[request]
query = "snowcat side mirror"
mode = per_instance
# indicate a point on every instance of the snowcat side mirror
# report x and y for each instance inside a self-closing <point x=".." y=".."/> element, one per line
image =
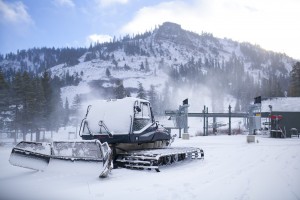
<point x="138" y="109"/>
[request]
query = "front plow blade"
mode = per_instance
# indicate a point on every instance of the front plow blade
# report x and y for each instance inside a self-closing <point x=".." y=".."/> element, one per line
<point x="37" y="156"/>
<point x="31" y="155"/>
<point x="79" y="150"/>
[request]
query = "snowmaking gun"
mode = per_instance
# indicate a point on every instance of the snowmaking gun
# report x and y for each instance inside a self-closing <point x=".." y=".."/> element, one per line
<point x="114" y="133"/>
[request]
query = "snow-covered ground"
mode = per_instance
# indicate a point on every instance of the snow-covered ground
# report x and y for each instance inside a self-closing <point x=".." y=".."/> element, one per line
<point x="232" y="169"/>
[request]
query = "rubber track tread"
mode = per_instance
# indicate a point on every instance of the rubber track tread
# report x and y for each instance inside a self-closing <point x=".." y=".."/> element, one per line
<point x="154" y="158"/>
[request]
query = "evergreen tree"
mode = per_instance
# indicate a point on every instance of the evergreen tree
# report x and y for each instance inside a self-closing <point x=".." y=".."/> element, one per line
<point x="77" y="79"/>
<point x="147" y="68"/>
<point x="48" y="92"/>
<point x="141" y="91"/>
<point x="57" y="111"/>
<point x="53" y="104"/>
<point x="115" y="63"/>
<point x="67" y="112"/>
<point x="119" y="90"/>
<point x="68" y="78"/>
<point x="39" y="102"/>
<point x="127" y="93"/>
<point x="166" y="102"/>
<point x="4" y="99"/>
<point x="16" y="102"/>
<point x="142" y="66"/>
<point x="107" y="72"/>
<point x="295" y="81"/>
<point x="33" y="102"/>
<point x="126" y="67"/>
<point x="4" y="89"/>
<point x="76" y="105"/>
<point x="161" y="63"/>
<point x="153" y="98"/>
<point x="45" y="79"/>
<point x="28" y="103"/>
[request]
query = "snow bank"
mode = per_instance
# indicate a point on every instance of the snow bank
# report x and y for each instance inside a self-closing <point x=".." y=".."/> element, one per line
<point x="232" y="169"/>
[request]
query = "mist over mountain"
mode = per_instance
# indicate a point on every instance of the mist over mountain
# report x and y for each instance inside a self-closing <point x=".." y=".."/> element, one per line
<point x="171" y="62"/>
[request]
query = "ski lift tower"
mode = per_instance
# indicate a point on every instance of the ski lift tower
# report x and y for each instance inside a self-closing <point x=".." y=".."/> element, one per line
<point x="184" y="110"/>
<point x="180" y="118"/>
<point x="255" y="116"/>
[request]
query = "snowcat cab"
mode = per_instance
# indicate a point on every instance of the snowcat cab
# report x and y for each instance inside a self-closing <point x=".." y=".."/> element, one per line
<point x="123" y="121"/>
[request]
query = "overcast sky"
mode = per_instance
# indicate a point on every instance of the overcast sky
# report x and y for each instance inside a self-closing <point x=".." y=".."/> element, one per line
<point x="272" y="24"/>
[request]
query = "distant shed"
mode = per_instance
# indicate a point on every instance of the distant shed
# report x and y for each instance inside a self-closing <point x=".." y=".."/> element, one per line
<point x="287" y="107"/>
<point x="289" y="120"/>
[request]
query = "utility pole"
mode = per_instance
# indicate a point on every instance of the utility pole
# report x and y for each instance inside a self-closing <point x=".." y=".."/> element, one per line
<point x="229" y="107"/>
<point x="270" y="120"/>
<point x="207" y="122"/>
<point x="214" y="125"/>
<point x="186" y="126"/>
<point x="180" y="132"/>
<point x="204" y="120"/>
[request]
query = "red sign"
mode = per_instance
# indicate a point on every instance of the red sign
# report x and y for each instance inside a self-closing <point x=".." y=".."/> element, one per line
<point x="276" y="117"/>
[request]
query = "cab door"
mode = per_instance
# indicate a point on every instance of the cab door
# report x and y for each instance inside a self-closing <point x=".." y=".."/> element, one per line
<point x="142" y="120"/>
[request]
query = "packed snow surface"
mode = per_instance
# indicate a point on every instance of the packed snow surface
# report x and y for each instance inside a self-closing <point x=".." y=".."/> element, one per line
<point x="232" y="169"/>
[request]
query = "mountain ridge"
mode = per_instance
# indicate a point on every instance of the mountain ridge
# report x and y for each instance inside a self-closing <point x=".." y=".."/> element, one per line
<point x="166" y="55"/>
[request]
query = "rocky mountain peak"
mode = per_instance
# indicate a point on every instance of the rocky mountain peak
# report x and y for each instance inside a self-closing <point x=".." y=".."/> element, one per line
<point x="173" y="32"/>
<point x="170" y="27"/>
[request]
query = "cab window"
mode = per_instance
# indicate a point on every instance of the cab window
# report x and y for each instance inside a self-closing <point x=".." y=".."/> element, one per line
<point x="142" y="116"/>
<point x="144" y="111"/>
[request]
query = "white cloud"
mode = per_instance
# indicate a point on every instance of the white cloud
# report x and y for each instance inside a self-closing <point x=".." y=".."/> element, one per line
<point x="14" y="13"/>
<point x="148" y="17"/>
<point x="106" y="3"/>
<point x="66" y="3"/>
<point x="95" y="38"/>
<point x="272" y="24"/>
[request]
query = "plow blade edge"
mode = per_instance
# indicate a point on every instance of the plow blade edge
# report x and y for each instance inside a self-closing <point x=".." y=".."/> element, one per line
<point x="31" y="155"/>
<point x="38" y="155"/>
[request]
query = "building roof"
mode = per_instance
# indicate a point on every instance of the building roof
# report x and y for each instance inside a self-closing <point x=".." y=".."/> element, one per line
<point x="288" y="104"/>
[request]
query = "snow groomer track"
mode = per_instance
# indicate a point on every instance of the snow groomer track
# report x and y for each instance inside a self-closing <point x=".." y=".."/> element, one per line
<point x="154" y="158"/>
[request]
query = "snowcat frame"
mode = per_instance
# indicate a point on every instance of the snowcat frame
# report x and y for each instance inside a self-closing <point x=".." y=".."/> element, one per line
<point x="146" y="145"/>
